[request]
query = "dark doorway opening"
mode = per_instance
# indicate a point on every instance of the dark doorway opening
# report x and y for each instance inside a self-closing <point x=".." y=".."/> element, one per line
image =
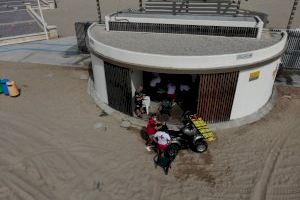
<point x="186" y="86"/>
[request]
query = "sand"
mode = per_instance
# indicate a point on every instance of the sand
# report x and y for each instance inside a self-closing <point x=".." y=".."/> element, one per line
<point x="71" y="11"/>
<point x="54" y="145"/>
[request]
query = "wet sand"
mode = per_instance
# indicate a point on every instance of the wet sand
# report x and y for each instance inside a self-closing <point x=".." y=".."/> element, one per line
<point x="54" y="145"/>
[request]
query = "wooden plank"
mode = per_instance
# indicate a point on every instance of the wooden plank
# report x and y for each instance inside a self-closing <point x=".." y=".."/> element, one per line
<point x="216" y="95"/>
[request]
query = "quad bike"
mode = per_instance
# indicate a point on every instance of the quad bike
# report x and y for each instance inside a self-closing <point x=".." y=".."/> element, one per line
<point x="193" y="135"/>
<point x="188" y="137"/>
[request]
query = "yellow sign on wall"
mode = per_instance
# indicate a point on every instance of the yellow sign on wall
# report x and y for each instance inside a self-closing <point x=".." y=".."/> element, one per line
<point x="254" y="75"/>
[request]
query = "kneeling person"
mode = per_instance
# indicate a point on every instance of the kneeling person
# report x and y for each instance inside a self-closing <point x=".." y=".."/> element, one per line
<point x="153" y="126"/>
<point x="163" y="140"/>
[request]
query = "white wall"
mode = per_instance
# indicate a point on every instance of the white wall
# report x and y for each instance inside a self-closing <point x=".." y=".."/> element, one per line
<point x="99" y="78"/>
<point x="252" y="95"/>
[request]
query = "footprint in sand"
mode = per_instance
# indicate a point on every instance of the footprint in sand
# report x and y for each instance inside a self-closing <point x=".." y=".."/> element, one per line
<point x="4" y="192"/>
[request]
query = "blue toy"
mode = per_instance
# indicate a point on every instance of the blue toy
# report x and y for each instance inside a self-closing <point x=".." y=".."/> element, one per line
<point x="4" y="86"/>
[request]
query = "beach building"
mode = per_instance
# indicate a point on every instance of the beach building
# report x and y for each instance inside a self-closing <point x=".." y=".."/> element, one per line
<point x="228" y="63"/>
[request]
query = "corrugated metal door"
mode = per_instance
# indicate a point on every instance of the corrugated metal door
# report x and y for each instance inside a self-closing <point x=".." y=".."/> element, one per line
<point x="118" y="84"/>
<point x="216" y="95"/>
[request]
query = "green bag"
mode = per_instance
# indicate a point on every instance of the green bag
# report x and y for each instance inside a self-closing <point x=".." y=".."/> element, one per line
<point x="1" y="89"/>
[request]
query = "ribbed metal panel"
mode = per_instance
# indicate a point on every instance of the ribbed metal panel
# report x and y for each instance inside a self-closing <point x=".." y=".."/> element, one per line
<point x="118" y="83"/>
<point x="216" y="95"/>
<point x="184" y="29"/>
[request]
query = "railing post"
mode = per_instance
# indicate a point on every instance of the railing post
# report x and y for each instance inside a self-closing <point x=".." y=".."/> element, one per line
<point x="140" y="5"/>
<point x="187" y="6"/>
<point x="99" y="11"/>
<point x="174" y="8"/>
<point x="238" y="7"/>
<point x="292" y="14"/>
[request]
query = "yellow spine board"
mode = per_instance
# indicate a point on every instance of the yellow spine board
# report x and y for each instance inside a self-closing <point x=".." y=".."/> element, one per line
<point x="203" y="128"/>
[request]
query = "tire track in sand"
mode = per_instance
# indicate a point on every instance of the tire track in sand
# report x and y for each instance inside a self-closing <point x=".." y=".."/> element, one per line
<point x="261" y="187"/>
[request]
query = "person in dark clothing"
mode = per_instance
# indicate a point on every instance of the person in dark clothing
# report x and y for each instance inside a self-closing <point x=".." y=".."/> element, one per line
<point x="138" y="99"/>
<point x="166" y="106"/>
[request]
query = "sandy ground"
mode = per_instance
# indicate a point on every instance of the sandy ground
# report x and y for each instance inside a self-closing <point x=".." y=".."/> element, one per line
<point x="71" y="11"/>
<point x="52" y="146"/>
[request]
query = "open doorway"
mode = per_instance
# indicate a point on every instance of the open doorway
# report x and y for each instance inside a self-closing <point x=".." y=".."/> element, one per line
<point x="179" y="89"/>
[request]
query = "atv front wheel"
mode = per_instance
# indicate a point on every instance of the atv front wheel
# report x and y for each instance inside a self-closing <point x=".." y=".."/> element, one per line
<point x="200" y="146"/>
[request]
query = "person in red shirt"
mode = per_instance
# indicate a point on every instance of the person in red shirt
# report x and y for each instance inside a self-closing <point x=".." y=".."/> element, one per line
<point x="152" y="127"/>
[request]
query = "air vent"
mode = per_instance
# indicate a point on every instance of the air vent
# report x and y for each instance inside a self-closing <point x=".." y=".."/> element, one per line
<point x="229" y="26"/>
<point x="185" y="29"/>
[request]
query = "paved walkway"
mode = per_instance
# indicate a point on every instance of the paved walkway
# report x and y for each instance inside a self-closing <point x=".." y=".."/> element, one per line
<point x="53" y="52"/>
<point x="288" y="78"/>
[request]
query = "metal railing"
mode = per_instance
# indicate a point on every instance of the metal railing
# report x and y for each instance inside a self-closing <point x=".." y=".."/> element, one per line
<point x="291" y="57"/>
<point x="224" y="7"/>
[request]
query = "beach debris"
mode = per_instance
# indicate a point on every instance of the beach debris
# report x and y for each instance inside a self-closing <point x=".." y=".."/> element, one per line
<point x="103" y="114"/>
<point x="289" y="97"/>
<point x="100" y="126"/>
<point x="98" y="184"/>
<point x="50" y="75"/>
<point x="125" y="124"/>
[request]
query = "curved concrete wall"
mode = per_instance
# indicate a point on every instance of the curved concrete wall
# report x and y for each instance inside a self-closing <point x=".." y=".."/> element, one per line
<point x="251" y="95"/>
<point x="186" y="63"/>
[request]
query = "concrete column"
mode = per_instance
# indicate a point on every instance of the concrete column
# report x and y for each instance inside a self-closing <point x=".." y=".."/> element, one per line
<point x="99" y="78"/>
<point x="51" y="4"/>
<point x="28" y="6"/>
<point x="136" y="80"/>
<point x="52" y="31"/>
